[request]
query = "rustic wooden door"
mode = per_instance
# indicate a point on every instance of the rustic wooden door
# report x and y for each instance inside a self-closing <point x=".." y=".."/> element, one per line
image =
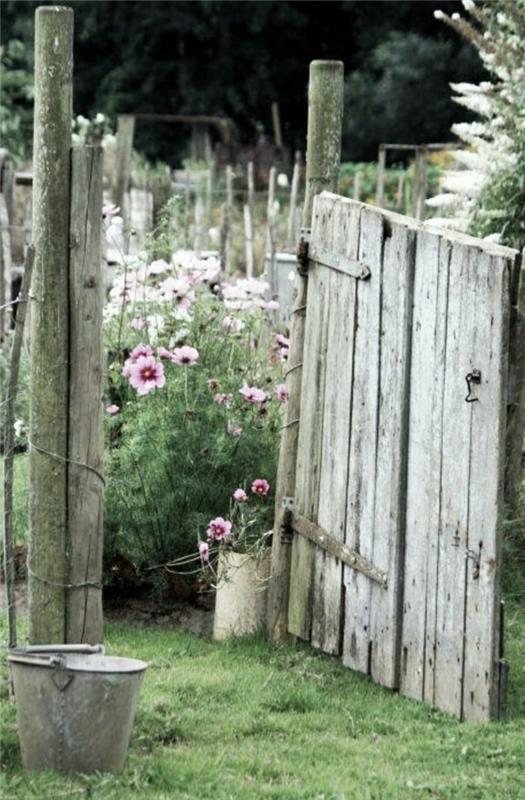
<point x="396" y="517"/>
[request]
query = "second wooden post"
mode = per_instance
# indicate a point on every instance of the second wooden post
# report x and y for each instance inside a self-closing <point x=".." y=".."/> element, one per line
<point x="325" y="117"/>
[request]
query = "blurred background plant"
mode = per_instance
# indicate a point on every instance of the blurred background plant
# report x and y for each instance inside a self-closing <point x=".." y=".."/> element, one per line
<point x="486" y="195"/>
<point x="16" y="98"/>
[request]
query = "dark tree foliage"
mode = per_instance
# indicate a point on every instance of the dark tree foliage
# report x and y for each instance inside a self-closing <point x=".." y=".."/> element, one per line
<point x="235" y="58"/>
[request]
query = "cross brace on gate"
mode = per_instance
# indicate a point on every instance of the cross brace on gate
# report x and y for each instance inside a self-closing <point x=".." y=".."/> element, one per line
<point x="296" y="523"/>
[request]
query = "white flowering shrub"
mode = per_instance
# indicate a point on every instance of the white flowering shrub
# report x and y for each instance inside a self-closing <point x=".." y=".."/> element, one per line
<point x="486" y="196"/>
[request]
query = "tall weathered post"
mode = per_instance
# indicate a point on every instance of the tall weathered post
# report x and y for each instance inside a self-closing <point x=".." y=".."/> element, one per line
<point x="122" y="177"/>
<point x="50" y="327"/>
<point x="325" y="116"/>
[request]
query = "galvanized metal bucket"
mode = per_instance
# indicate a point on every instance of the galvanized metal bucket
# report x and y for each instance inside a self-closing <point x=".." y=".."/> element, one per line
<point x="75" y="706"/>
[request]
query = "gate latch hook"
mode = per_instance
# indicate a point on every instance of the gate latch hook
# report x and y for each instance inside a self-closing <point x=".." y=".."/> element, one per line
<point x="472" y="377"/>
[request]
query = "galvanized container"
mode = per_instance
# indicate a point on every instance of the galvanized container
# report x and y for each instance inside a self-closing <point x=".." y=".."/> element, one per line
<point x="75" y="706"/>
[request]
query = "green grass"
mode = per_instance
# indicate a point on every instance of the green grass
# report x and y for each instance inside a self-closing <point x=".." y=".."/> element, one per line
<point x="248" y="720"/>
<point x="20" y="495"/>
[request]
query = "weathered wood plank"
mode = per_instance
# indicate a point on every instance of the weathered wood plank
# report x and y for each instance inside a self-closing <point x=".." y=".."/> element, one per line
<point x="453" y="529"/>
<point x="390" y="470"/>
<point x="363" y="442"/>
<point x="343" y="238"/>
<point x="85" y="436"/>
<point x="424" y="464"/>
<point x="309" y="454"/>
<point x="489" y="353"/>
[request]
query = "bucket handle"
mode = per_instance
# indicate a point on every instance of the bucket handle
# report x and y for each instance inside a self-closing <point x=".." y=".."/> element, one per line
<point x="35" y="654"/>
<point x="63" y="648"/>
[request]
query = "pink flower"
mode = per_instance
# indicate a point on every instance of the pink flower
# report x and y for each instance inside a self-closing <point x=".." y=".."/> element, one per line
<point x="223" y="399"/>
<point x="240" y="496"/>
<point x="162" y="352"/>
<point x="233" y="429"/>
<point x="110" y="210"/>
<point x="147" y="374"/>
<point x="185" y="356"/>
<point x="112" y="409"/>
<point x="252" y="394"/>
<point x="282" y="392"/>
<point x="260" y="486"/>
<point x="141" y="350"/>
<point x="204" y="551"/>
<point x="213" y="383"/>
<point x="126" y="369"/>
<point x="219" y="529"/>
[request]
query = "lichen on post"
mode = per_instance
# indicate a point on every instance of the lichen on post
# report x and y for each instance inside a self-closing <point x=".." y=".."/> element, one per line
<point x="49" y="328"/>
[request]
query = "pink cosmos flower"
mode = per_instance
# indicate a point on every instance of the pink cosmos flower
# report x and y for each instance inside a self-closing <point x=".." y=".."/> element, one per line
<point x="233" y="429"/>
<point x="204" y="551"/>
<point x="141" y="350"/>
<point x="147" y="374"/>
<point x="282" y="392"/>
<point x="112" y="409"/>
<point x="281" y="340"/>
<point x="110" y="210"/>
<point x="162" y="352"/>
<point x="219" y="529"/>
<point x="223" y="399"/>
<point x="231" y="324"/>
<point x="240" y="496"/>
<point x="185" y="356"/>
<point x="252" y="394"/>
<point x="126" y="369"/>
<point x="260" y="486"/>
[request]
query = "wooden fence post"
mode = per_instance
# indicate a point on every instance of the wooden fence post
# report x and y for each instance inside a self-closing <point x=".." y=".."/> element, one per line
<point x="50" y="324"/>
<point x="357" y="185"/>
<point x="85" y="436"/>
<point x="125" y="132"/>
<point x="5" y="269"/>
<point x="291" y="233"/>
<point x="325" y="117"/>
<point x="277" y="131"/>
<point x="420" y="183"/>
<point x="381" y="164"/>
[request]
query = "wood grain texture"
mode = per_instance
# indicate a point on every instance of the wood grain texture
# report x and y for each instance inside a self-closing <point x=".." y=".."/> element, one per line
<point x="50" y="324"/>
<point x="424" y="464"/>
<point x="85" y="434"/>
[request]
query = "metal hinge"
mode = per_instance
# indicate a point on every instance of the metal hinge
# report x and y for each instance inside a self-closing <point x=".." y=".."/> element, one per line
<point x="286" y="531"/>
<point x="303" y="247"/>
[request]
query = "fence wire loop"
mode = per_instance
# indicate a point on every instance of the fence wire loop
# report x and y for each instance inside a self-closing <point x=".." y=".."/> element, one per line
<point x="65" y="460"/>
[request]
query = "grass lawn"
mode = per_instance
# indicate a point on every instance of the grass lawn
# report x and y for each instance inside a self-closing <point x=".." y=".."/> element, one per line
<point x="248" y="720"/>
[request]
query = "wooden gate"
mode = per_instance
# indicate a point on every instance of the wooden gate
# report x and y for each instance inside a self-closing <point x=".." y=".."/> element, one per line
<point x="397" y="511"/>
